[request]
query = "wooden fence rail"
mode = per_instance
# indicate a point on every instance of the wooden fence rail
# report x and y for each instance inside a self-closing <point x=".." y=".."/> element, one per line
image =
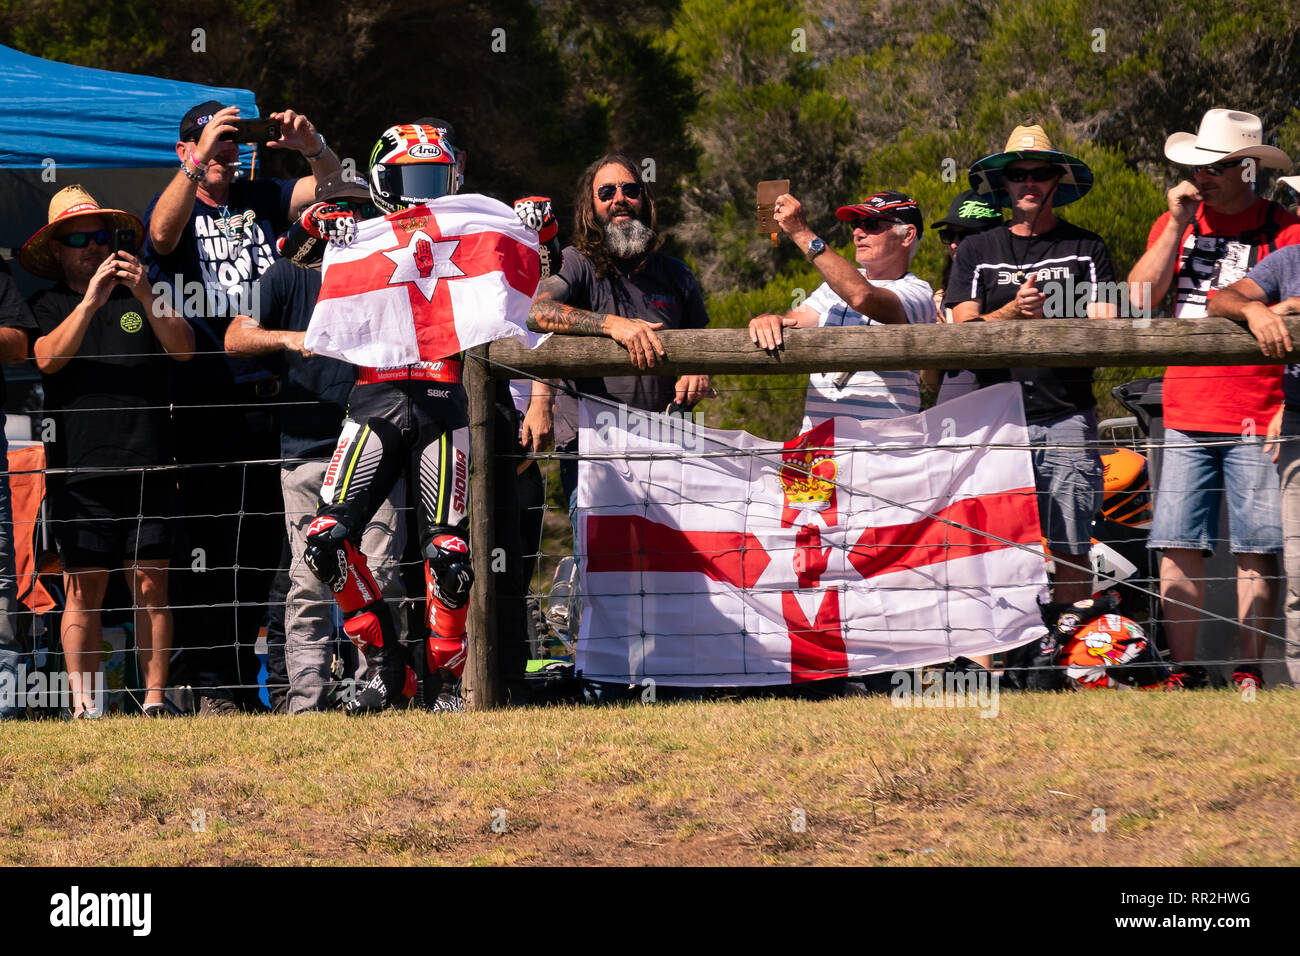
<point x="1156" y="341"/>
<point x="1046" y="342"/>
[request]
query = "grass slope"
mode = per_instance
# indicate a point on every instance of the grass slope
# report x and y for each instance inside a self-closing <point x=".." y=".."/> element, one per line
<point x="1195" y="778"/>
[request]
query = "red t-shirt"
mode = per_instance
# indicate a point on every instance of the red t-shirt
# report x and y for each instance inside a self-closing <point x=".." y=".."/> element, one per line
<point x="1217" y="250"/>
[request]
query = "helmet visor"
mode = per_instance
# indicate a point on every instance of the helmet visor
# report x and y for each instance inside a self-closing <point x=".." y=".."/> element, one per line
<point x="411" y="184"/>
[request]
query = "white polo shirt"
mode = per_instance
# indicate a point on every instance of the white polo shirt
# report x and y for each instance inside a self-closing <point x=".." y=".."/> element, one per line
<point x="867" y="395"/>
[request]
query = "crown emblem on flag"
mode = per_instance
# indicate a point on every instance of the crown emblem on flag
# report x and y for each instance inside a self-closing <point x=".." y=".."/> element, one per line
<point x="808" y="479"/>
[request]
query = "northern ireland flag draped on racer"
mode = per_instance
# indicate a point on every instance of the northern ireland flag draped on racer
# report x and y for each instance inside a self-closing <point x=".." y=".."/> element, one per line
<point x="426" y="283"/>
<point x="853" y="549"/>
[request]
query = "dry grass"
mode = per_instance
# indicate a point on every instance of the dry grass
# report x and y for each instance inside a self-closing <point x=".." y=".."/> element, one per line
<point x="1183" y="779"/>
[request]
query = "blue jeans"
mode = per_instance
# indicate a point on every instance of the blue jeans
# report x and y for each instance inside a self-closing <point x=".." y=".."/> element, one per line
<point x="10" y="650"/>
<point x="1193" y="477"/>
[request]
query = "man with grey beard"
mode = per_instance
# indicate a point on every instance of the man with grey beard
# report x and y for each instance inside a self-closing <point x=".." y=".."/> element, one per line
<point x="615" y="283"/>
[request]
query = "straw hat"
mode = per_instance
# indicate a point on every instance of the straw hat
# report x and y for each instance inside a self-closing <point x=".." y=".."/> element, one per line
<point x="1030" y="142"/>
<point x="73" y="202"/>
<point x="1224" y="135"/>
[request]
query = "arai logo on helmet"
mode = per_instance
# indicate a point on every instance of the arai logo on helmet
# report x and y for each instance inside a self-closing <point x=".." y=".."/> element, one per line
<point x="425" y="151"/>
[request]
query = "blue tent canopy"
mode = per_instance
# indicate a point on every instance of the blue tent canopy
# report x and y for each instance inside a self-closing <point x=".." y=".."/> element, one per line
<point x="113" y="133"/>
<point x="84" y="118"/>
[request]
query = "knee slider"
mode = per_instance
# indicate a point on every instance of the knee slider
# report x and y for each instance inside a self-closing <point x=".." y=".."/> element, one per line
<point x="371" y="628"/>
<point x="340" y="565"/>
<point x="446" y="654"/>
<point x="447" y="571"/>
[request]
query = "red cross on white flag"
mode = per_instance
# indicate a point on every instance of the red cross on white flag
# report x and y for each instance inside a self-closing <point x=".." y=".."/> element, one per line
<point x="427" y="283"/>
<point x="856" y="548"/>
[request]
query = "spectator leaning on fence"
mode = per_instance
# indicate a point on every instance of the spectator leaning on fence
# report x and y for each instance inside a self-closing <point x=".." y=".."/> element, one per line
<point x="211" y="235"/>
<point x="15" y="322"/>
<point x="1215" y="230"/>
<point x="1270" y="291"/>
<point x="886" y="229"/>
<point x="100" y="345"/>
<point x="615" y="282"/>
<point x="1039" y="266"/>
<point x="313" y="405"/>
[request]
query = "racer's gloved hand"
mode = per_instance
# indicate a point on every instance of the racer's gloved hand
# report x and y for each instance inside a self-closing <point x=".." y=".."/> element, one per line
<point x="329" y="222"/>
<point x="301" y="247"/>
<point x="536" y="213"/>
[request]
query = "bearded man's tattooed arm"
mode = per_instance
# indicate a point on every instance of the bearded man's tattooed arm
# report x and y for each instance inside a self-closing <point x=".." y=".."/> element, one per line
<point x="550" y="314"/>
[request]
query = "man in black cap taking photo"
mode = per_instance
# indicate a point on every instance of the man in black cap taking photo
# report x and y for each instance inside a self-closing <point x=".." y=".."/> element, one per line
<point x="211" y="227"/>
<point x="210" y="235"/>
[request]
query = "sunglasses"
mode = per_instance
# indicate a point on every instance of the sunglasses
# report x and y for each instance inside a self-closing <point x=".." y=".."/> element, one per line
<point x="1039" y="174"/>
<point x="874" y="225"/>
<point x="948" y="236"/>
<point x="363" y="208"/>
<point x="1217" y="169"/>
<point x="630" y="191"/>
<point x="79" y="240"/>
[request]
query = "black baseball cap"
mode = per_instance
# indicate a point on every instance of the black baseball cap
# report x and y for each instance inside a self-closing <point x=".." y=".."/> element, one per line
<point x="970" y="212"/>
<point x="193" y="122"/>
<point x="885" y="205"/>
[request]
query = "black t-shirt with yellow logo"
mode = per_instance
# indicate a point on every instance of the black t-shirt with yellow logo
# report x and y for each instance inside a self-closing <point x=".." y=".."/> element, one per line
<point x="108" y="405"/>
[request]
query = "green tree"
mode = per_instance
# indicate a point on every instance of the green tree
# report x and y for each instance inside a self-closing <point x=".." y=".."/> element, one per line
<point x="536" y="90"/>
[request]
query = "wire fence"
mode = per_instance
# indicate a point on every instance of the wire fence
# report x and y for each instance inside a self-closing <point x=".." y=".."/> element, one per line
<point x="223" y="538"/>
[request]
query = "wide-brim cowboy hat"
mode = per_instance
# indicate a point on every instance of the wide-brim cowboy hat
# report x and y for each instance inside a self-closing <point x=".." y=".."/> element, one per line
<point x="1030" y="142"/>
<point x="72" y="202"/>
<point x="1292" y="181"/>
<point x="1224" y="135"/>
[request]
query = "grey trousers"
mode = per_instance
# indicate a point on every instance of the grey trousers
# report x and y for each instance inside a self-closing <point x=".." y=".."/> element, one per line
<point x="309" y="611"/>
<point x="1288" y="469"/>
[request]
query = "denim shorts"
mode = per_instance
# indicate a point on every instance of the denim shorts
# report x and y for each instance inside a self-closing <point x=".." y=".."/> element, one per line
<point x="1069" y="480"/>
<point x="1193" y="477"/>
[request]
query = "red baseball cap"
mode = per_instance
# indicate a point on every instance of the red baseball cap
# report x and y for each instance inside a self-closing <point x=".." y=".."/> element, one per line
<point x="885" y="205"/>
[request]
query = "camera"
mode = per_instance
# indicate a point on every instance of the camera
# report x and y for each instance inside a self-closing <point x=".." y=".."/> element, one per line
<point x="260" y="131"/>
<point x="124" y="240"/>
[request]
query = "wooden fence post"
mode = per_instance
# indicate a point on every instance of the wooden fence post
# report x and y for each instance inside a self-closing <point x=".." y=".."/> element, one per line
<point x="482" y="680"/>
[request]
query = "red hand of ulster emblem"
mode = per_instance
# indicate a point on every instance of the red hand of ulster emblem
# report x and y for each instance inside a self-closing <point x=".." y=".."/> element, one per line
<point x="424" y="257"/>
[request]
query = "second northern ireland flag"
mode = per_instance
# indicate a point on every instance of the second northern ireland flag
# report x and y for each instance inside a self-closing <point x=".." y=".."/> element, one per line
<point x="713" y="558"/>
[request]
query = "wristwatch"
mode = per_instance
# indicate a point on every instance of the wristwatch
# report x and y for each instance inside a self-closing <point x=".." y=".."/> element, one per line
<point x="815" y="248"/>
<point x="319" y="153"/>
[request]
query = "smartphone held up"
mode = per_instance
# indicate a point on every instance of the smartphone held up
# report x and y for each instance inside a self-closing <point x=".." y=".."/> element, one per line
<point x="124" y="241"/>
<point x="259" y="131"/>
